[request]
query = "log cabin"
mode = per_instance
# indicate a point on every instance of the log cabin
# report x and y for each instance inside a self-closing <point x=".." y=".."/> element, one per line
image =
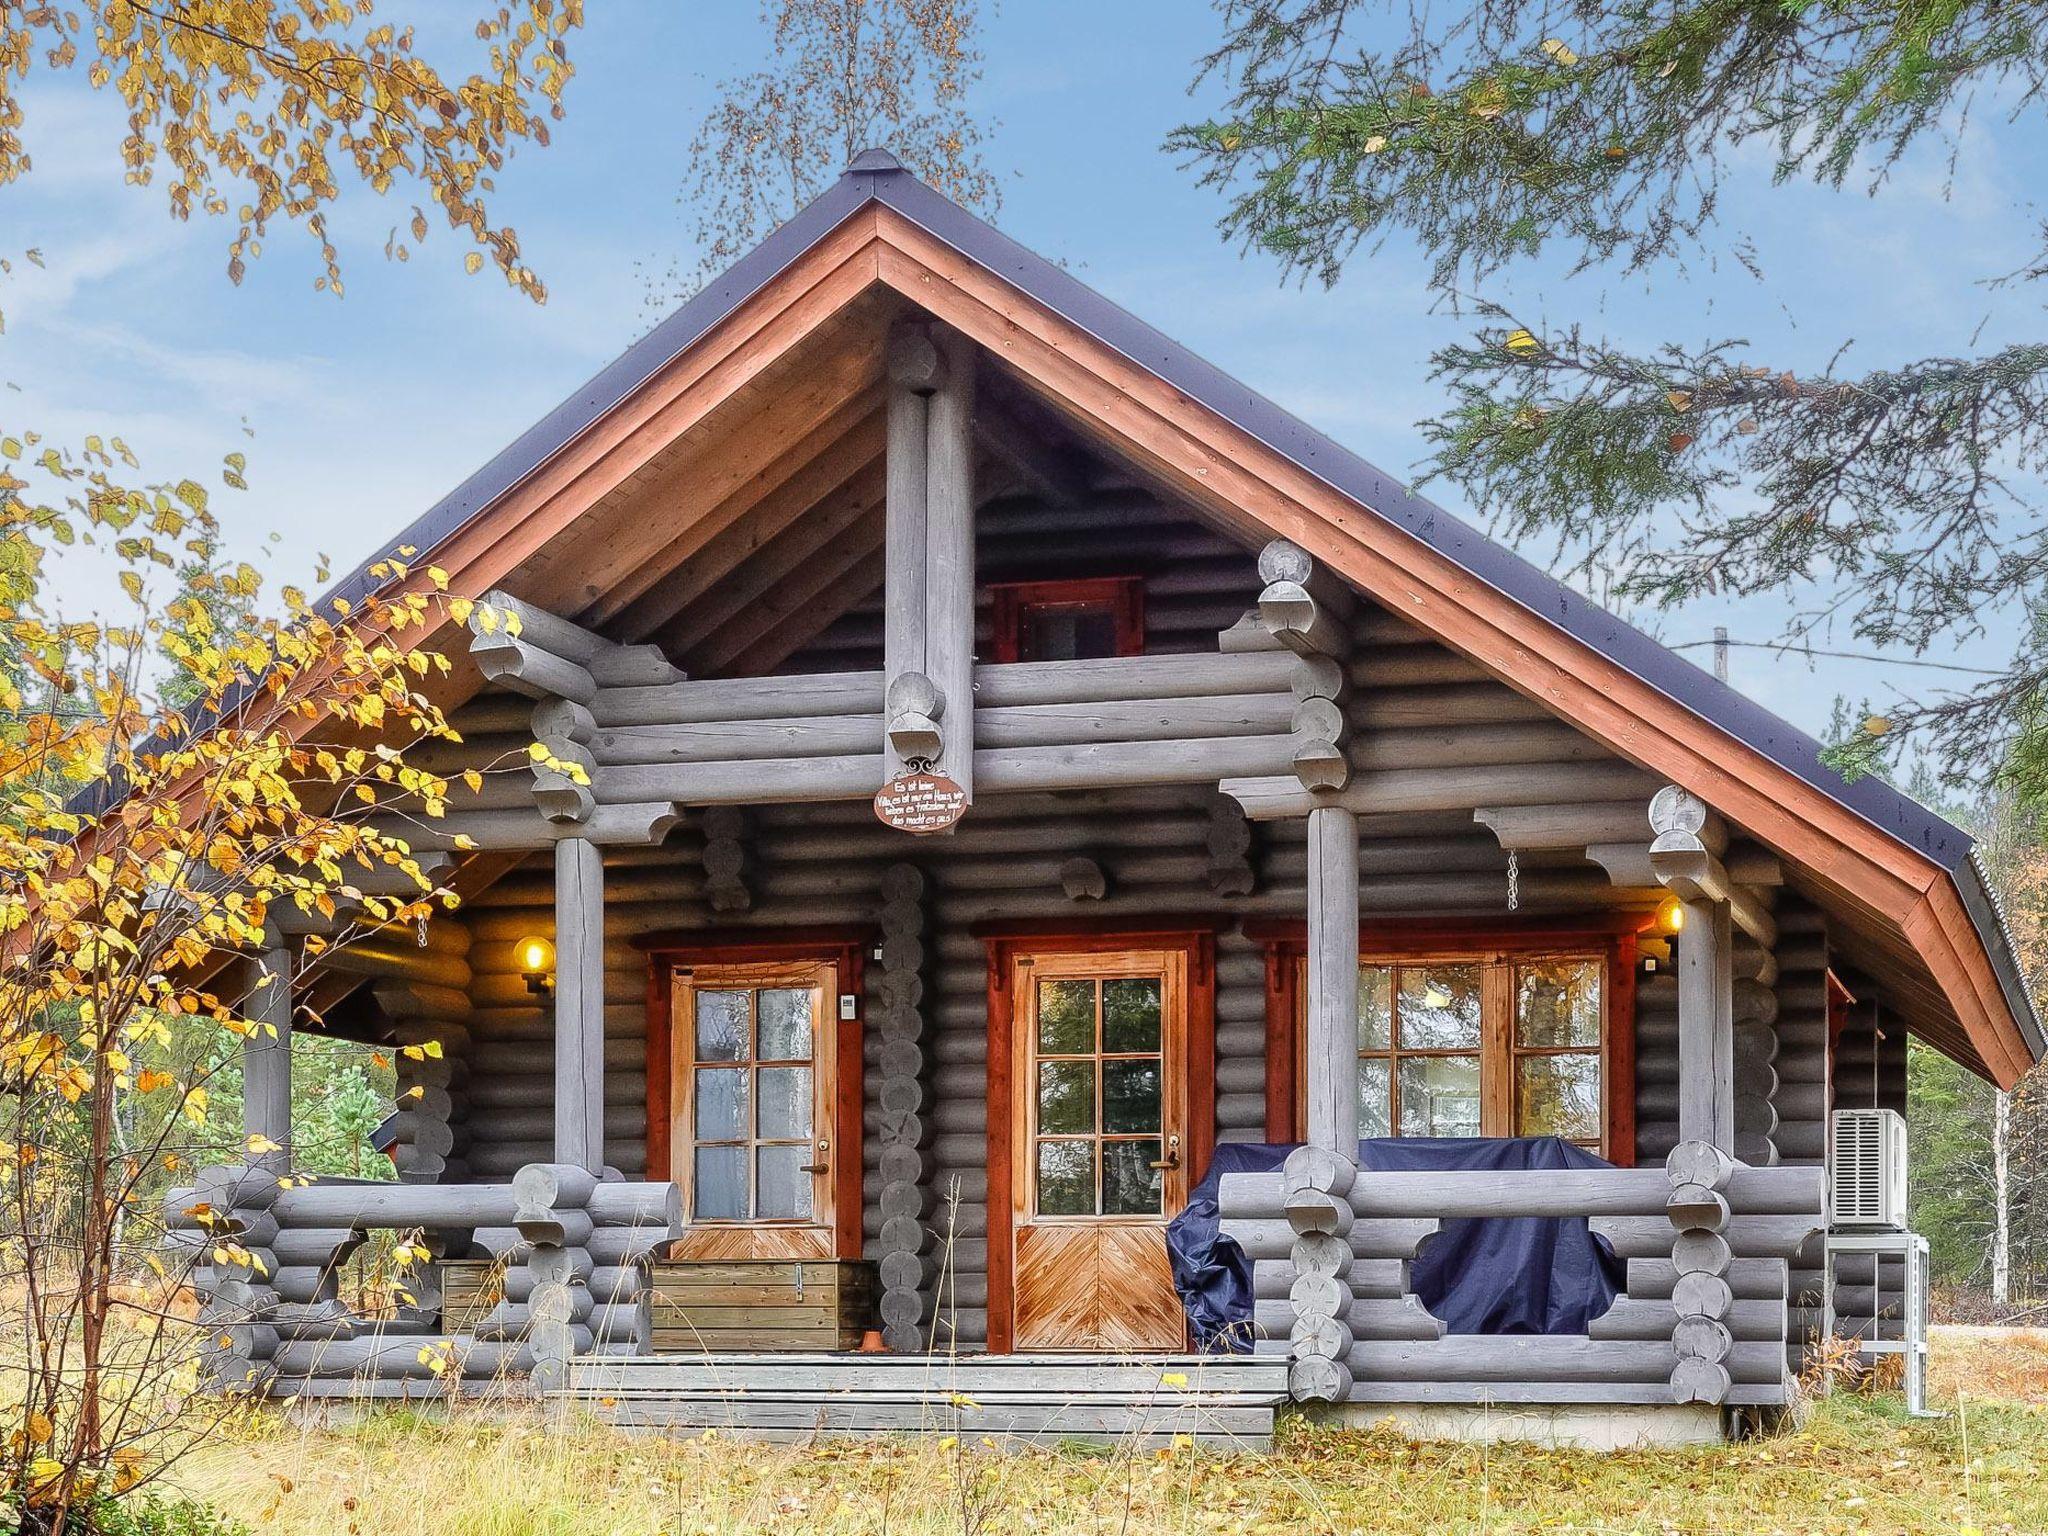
<point x="1027" y="770"/>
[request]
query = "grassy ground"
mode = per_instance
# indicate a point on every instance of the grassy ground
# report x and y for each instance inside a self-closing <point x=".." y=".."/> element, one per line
<point x="1857" y="1465"/>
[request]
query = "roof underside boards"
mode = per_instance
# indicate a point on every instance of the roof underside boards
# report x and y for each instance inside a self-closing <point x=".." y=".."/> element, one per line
<point x="690" y="492"/>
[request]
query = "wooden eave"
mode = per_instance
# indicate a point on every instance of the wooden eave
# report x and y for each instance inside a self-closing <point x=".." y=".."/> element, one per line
<point x="534" y="522"/>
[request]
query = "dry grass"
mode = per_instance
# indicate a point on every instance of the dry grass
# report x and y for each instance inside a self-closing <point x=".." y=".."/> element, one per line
<point x="1858" y="1465"/>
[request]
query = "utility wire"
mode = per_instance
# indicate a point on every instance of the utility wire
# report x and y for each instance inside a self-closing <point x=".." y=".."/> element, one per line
<point x="1807" y="650"/>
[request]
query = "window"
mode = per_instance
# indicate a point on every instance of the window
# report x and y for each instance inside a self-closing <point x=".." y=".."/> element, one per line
<point x="752" y="1091"/>
<point x="1497" y="1036"/>
<point x="1099" y="1059"/>
<point x="1068" y="620"/>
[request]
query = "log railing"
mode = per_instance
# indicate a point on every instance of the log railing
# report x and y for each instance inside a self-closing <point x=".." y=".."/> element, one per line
<point x="269" y="1252"/>
<point x="1704" y="1317"/>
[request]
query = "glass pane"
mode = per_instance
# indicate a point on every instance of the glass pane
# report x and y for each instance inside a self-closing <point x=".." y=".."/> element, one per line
<point x="1066" y="1178"/>
<point x="1066" y="1097"/>
<point x="1066" y="1017"/>
<point x="1067" y="634"/>
<point x="1439" y="1008"/>
<point x="784" y="1189"/>
<point x="786" y="1024"/>
<point x="1440" y="1096"/>
<point x="721" y="1183"/>
<point x="1557" y="1003"/>
<point x="1130" y="1185"/>
<point x="1558" y="1096"/>
<point x="721" y="1110"/>
<point x="783" y="1103"/>
<point x="1130" y="1014"/>
<point x="1375" y="1099"/>
<point x="721" y="1026"/>
<point x="1375" y="1007"/>
<point x="1130" y="1095"/>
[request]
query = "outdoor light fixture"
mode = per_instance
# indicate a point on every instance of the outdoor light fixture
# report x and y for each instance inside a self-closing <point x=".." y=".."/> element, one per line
<point x="537" y="965"/>
<point x="1670" y="915"/>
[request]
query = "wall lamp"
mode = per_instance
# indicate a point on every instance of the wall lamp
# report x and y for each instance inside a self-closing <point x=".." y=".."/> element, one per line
<point x="537" y="965"/>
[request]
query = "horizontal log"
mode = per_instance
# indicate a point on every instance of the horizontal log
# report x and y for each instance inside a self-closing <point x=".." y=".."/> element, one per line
<point x="1652" y="1320"/>
<point x="331" y="1203"/>
<point x="1779" y="1236"/>
<point x="1088" y="766"/>
<point x="1533" y="1359"/>
<point x="1266" y="798"/>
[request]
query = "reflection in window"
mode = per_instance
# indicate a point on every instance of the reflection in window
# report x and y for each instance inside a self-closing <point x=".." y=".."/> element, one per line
<point x="752" y="1092"/>
<point x="1557" y="1050"/>
<point x="1100" y="1096"/>
<point x="1420" y="1029"/>
<point x="1457" y="1047"/>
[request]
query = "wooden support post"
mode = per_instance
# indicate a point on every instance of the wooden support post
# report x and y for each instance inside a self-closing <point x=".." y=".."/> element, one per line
<point x="1705" y="962"/>
<point x="1706" y="1026"/>
<point x="914" y="370"/>
<point x="949" y="558"/>
<point x="579" y="1004"/>
<point x="267" y="1052"/>
<point x="1332" y="1036"/>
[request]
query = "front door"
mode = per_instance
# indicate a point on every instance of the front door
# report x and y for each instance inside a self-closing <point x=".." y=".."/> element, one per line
<point x="753" y="1066"/>
<point x="1099" y="1153"/>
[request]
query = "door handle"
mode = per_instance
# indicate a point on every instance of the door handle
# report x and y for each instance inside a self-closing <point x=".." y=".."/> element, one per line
<point x="824" y="1162"/>
<point x="1172" y="1158"/>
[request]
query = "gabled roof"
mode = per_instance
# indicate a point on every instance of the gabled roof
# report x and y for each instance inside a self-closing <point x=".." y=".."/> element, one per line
<point x="1883" y="853"/>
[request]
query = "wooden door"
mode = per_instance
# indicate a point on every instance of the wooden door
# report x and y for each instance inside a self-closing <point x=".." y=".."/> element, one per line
<point x="1099" y="1111"/>
<point x="753" y="1060"/>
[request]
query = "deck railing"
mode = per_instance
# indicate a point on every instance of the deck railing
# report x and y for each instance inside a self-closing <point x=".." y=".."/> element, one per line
<point x="1704" y="1317"/>
<point x="573" y="1247"/>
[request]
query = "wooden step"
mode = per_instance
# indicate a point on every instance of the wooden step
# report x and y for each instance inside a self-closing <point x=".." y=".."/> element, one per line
<point x="1226" y="1403"/>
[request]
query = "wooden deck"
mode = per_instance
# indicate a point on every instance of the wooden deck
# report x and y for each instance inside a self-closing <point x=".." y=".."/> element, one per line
<point x="1225" y="1403"/>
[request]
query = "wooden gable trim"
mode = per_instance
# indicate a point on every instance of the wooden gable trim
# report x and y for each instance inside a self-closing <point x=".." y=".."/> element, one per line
<point x="1242" y="480"/>
<point x="1006" y="941"/>
<point x="1248" y="484"/>
<point x="846" y="950"/>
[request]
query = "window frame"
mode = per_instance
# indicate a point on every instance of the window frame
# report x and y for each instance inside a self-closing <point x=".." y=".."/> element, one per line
<point x="1499" y="950"/>
<point x="1122" y="597"/>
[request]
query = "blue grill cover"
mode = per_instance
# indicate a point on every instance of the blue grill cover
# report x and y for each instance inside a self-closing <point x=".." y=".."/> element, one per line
<point x="1519" y="1274"/>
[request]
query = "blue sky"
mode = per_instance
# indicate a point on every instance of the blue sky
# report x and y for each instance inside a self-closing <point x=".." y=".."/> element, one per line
<point x="358" y="414"/>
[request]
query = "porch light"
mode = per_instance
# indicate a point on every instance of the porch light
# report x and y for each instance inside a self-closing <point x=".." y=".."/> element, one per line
<point x="1670" y="915"/>
<point x="537" y="965"/>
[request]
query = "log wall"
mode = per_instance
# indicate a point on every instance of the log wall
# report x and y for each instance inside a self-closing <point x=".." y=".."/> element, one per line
<point x="1147" y="854"/>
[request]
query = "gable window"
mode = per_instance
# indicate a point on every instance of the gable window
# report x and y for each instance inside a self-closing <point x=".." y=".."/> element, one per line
<point x="1068" y="620"/>
<point x="1520" y="1035"/>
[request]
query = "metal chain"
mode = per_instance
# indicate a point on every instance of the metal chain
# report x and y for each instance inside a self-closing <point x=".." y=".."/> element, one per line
<point x="1514" y="881"/>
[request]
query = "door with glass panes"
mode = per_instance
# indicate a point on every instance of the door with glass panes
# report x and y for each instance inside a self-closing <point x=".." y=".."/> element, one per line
<point x="752" y="1071"/>
<point x="1100" y="1118"/>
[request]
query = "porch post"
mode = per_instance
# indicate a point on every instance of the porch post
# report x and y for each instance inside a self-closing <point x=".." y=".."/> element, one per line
<point x="1706" y="1026"/>
<point x="1332" y="1036"/>
<point x="579" y="1004"/>
<point x="1684" y="856"/>
<point x="267" y="1050"/>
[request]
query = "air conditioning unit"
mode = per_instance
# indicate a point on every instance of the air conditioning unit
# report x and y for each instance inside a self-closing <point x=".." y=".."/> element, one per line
<point x="1867" y="1168"/>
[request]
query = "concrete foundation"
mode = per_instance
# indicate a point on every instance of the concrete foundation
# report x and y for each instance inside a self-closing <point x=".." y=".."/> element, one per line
<point x="1572" y="1426"/>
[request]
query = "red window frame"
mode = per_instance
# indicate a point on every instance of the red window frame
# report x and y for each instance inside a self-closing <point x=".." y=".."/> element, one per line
<point x="1286" y="944"/>
<point x="1122" y="597"/>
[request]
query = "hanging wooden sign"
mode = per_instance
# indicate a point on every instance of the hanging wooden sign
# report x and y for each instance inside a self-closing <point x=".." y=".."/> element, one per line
<point x="920" y="803"/>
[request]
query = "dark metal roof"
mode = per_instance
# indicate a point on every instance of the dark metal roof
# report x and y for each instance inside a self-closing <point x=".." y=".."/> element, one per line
<point x="877" y="177"/>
